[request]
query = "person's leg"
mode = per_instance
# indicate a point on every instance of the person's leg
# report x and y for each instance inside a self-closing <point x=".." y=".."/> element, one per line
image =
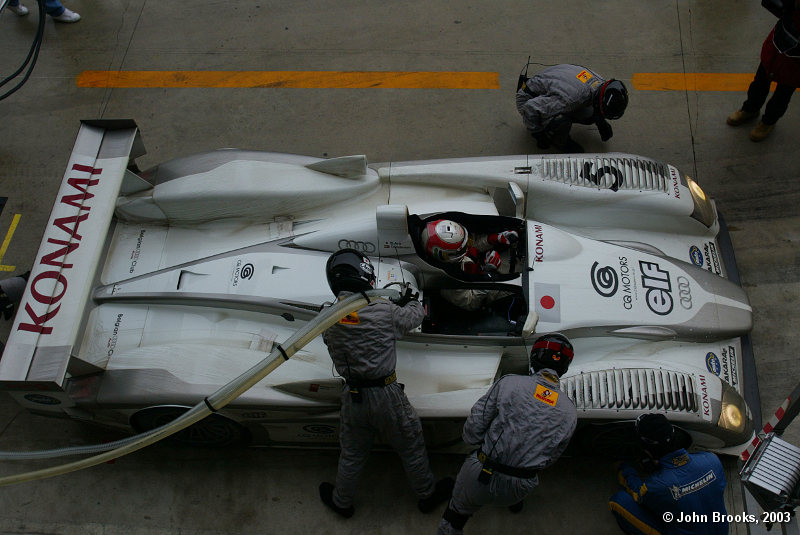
<point x="758" y="91"/>
<point x="632" y="518"/>
<point x="777" y="104"/>
<point x="757" y="94"/>
<point x="54" y="8"/>
<point x="403" y="431"/>
<point x="355" y="439"/>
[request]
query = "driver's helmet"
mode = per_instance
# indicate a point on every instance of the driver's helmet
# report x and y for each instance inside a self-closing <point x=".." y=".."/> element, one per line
<point x="445" y="240"/>
<point x="656" y="434"/>
<point x="349" y="271"/>
<point x="553" y="351"/>
<point x="612" y="99"/>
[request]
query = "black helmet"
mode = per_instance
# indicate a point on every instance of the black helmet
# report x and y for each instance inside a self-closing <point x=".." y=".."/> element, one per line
<point x="612" y="99"/>
<point x="349" y="271"/>
<point x="656" y="434"/>
<point x="552" y="351"/>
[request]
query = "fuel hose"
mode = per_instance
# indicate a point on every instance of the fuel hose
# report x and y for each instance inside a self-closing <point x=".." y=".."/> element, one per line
<point x="224" y="395"/>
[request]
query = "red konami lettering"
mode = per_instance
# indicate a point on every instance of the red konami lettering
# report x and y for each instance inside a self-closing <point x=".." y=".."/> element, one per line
<point x="704" y="399"/>
<point x="57" y="256"/>
<point x="539" y="250"/>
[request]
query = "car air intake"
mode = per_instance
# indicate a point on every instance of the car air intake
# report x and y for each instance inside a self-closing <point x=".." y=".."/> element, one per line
<point x="632" y="388"/>
<point x="610" y="173"/>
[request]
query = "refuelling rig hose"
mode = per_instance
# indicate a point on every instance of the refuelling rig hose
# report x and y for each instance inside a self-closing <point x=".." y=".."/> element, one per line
<point x="227" y="393"/>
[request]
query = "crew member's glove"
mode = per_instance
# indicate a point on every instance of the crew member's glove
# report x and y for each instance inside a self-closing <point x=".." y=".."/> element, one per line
<point x="605" y="129"/>
<point x="407" y="296"/>
<point x="6" y="306"/>
<point x="492" y="261"/>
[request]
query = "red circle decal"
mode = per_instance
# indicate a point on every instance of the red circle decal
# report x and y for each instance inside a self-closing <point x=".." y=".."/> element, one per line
<point x="547" y="302"/>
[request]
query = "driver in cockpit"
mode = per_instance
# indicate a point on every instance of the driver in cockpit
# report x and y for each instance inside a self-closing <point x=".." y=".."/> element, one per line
<point x="477" y="254"/>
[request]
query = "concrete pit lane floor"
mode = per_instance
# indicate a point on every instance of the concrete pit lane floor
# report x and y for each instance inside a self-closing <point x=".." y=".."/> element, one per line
<point x="187" y="106"/>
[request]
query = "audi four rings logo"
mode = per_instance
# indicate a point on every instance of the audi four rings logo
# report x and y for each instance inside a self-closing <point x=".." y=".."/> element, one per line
<point x="604" y="280"/>
<point x="684" y="292"/>
<point x="247" y="271"/>
<point x="362" y="246"/>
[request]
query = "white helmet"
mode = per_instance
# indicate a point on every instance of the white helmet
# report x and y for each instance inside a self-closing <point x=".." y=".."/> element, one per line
<point x="445" y="240"/>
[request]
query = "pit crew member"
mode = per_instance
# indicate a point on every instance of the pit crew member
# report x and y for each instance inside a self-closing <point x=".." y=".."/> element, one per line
<point x="362" y="347"/>
<point x="560" y="95"/>
<point x="682" y="487"/>
<point x="520" y="426"/>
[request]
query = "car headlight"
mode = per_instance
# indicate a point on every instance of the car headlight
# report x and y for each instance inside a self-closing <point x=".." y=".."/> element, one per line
<point x="734" y="413"/>
<point x="703" y="210"/>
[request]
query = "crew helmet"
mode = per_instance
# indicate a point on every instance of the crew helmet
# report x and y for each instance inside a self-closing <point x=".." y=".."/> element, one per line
<point x="612" y="99"/>
<point x="349" y="271"/>
<point x="445" y="240"/>
<point x="656" y="434"/>
<point x="553" y="351"/>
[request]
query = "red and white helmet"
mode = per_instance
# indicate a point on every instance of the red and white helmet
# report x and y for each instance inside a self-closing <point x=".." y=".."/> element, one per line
<point x="445" y="240"/>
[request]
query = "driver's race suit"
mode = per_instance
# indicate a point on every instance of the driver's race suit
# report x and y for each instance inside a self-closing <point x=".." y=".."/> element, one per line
<point x="680" y="497"/>
<point x="362" y="347"/>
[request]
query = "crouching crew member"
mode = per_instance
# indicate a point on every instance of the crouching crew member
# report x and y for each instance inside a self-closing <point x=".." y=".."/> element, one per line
<point x="362" y="347"/>
<point x="558" y="96"/>
<point x="686" y="487"/>
<point x="521" y="425"/>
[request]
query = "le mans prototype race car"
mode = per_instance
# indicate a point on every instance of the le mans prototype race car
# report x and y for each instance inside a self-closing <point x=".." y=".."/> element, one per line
<point x="152" y="289"/>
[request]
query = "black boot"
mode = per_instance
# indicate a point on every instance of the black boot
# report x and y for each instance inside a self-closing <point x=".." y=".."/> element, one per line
<point x="569" y="145"/>
<point x="326" y="495"/>
<point x="441" y="493"/>
<point x="516" y="508"/>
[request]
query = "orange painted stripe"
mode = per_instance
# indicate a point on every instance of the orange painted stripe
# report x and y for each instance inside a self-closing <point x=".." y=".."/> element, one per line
<point x="691" y="81"/>
<point x="290" y="79"/>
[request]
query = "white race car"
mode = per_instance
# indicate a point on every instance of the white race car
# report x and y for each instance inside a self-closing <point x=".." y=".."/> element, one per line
<point x="152" y="289"/>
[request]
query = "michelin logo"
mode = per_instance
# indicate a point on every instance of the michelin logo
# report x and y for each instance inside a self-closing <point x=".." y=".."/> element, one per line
<point x="679" y="492"/>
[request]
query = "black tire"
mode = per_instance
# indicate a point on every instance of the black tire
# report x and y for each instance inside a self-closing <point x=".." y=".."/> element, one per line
<point x="618" y="440"/>
<point x="214" y="430"/>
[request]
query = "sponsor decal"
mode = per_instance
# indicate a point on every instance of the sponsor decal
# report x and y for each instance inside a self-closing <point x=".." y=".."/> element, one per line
<point x="538" y="251"/>
<point x="112" y="341"/>
<point x="732" y="363"/>
<point x="679" y="491"/>
<point x="595" y="177"/>
<point x="659" y="289"/>
<point x="604" y="280"/>
<point x="625" y="280"/>
<point x="548" y="302"/>
<point x="546" y="395"/>
<point x="49" y="293"/>
<point x="584" y="76"/>
<point x="366" y="247"/>
<point x="676" y="189"/>
<point x="242" y="272"/>
<point x="705" y="403"/>
<point x="712" y="259"/>
<point x="350" y="319"/>
<point x="696" y="256"/>
<point x="391" y="244"/>
<point x="136" y="251"/>
<point x="684" y="292"/>
<point x="713" y="364"/>
<point x="319" y="429"/>
<point x="41" y="399"/>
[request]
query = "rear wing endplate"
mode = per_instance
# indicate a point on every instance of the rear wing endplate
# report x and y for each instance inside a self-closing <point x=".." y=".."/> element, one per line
<point x="48" y="320"/>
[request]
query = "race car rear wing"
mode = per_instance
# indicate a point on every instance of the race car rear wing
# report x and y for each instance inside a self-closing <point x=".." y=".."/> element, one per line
<point x="39" y="352"/>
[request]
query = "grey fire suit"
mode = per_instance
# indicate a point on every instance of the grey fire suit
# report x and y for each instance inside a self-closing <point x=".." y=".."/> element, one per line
<point x="524" y="422"/>
<point x="558" y="96"/>
<point x="362" y="347"/>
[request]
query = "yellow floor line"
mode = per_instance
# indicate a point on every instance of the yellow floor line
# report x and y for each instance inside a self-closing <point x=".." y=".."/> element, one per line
<point x="7" y="242"/>
<point x="691" y="81"/>
<point x="290" y="79"/>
